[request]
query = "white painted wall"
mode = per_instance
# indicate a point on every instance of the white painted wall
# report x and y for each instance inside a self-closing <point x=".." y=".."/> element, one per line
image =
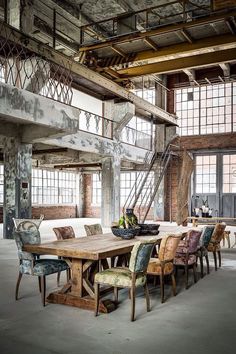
<point x="86" y="102"/>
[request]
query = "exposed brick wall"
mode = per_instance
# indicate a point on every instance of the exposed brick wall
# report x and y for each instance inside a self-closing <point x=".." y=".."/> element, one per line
<point x="52" y="212"/>
<point x="170" y="186"/>
<point x="90" y="211"/>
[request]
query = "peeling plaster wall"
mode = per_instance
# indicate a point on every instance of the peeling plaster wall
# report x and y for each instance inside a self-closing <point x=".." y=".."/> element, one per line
<point x="17" y="183"/>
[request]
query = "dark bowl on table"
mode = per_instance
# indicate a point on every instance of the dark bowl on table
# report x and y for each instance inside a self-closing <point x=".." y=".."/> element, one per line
<point x="149" y="229"/>
<point x="126" y="234"/>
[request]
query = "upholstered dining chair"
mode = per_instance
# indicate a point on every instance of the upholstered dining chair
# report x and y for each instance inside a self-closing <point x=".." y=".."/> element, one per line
<point x="163" y="265"/>
<point x="203" y="244"/>
<point x="214" y="244"/>
<point x="30" y="265"/>
<point x="186" y="254"/>
<point x="93" y="230"/>
<point x="63" y="233"/>
<point x="27" y="224"/>
<point x="128" y="277"/>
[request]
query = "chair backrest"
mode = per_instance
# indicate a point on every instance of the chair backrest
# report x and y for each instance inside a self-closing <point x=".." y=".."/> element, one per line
<point x="192" y="240"/>
<point x="168" y="247"/>
<point x="23" y="237"/>
<point x="27" y="224"/>
<point x="140" y="256"/>
<point x="206" y="235"/>
<point x="94" y="229"/>
<point x="64" y="232"/>
<point x="218" y="232"/>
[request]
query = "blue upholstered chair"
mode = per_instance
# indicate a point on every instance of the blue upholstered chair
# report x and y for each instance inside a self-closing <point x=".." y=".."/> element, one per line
<point x="203" y="244"/>
<point x="30" y="265"/>
<point x="131" y="277"/>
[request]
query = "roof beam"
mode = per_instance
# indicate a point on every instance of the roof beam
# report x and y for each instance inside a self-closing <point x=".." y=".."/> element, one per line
<point x="186" y="35"/>
<point x="226" y="70"/>
<point x="151" y="43"/>
<point x="181" y="50"/>
<point x="161" y="30"/>
<point x="189" y="62"/>
<point x="118" y="51"/>
<point x="49" y="53"/>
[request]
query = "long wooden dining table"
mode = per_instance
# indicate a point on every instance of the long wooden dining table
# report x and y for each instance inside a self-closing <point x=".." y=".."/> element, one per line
<point x="81" y="254"/>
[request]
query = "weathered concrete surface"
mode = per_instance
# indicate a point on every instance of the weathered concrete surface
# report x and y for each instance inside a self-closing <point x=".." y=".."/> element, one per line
<point x="110" y="209"/>
<point x="91" y="143"/>
<point x="17" y="183"/>
<point x="26" y="107"/>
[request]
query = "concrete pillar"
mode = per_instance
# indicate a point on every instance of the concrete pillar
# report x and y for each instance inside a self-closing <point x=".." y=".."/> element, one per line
<point x="160" y="143"/>
<point x="110" y="190"/>
<point x="81" y="194"/>
<point x="27" y="16"/>
<point x="17" y="183"/>
<point x="13" y="13"/>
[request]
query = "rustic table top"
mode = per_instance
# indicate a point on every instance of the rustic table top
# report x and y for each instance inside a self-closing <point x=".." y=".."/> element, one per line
<point x="89" y="247"/>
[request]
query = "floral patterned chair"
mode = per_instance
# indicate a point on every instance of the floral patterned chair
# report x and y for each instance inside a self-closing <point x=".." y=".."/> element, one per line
<point x="30" y="265"/>
<point x="214" y="244"/>
<point x="128" y="277"/>
<point x="186" y="254"/>
<point x="163" y="265"/>
<point x="63" y="233"/>
<point x="203" y="244"/>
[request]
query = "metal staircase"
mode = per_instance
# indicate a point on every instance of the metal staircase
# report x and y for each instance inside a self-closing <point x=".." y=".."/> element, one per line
<point x="147" y="183"/>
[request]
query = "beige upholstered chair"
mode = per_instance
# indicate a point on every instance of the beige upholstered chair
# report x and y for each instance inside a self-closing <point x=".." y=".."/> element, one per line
<point x="132" y="277"/>
<point x="214" y="245"/>
<point x="94" y="229"/>
<point x="163" y="265"/>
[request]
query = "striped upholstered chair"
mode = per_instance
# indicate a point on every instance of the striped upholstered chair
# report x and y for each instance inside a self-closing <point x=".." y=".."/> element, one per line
<point x="214" y="244"/>
<point x="128" y="277"/>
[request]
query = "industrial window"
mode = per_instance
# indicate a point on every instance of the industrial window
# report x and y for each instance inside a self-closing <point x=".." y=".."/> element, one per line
<point x="229" y="173"/>
<point x="96" y="189"/>
<point x="206" y="174"/>
<point x="53" y="187"/>
<point x="207" y="109"/>
<point x="147" y="94"/>
<point x="1" y="183"/>
<point x="127" y="181"/>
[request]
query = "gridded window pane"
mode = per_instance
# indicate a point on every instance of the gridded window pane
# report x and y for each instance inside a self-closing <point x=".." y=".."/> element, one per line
<point x="96" y="189"/>
<point x="210" y="105"/>
<point x="53" y="187"/>
<point x="205" y="174"/>
<point x="229" y="173"/>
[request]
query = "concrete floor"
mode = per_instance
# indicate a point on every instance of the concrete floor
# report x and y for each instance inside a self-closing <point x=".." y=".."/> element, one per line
<point x="201" y="319"/>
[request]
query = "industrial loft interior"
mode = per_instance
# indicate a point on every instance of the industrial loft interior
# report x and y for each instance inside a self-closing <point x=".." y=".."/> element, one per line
<point x="117" y="176"/>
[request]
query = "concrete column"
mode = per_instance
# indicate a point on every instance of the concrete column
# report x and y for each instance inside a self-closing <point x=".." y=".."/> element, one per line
<point x="81" y="194"/>
<point x="110" y="190"/>
<point x="17" y="183"/>
<point x="13" y="13"/>
<point x="27" y="16"/>
<point x="160" y="143"/>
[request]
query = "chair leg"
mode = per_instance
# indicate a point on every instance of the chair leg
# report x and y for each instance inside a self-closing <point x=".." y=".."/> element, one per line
<point x="215" y="260"/>
<point x="147" y="297"/>
<point x="68" y="275"/>
<point x="39" y="284"/>
<point x="58" y="279"/>
<point x="194" y="273"/>
<point x="228" y="239"/>
<point x="201" y="264"/>
<point x="115" y="294"/>
<point x="207" y="262"/>
<point x="219" y="256"/>
<point x="186" y="277"/>
<point x="96" y="288"/>
<point x="132" y="303"/>
<point x="18" y="284"/>
<point x="173" y="284"/>
<point x="162" y="287"/>
<point x="43" y="289"/>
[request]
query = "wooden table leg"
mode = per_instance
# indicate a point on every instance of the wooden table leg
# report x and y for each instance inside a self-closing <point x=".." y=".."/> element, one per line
<point x="80" y="291"/>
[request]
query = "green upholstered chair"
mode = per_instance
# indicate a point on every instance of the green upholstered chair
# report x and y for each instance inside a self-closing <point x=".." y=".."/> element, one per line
<point x="128" y="277"/>
<point x="163" y="265"/>
<point x="203" y="244"/>
<point x="30" y="265"/>
<point x="214" y="244"/>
